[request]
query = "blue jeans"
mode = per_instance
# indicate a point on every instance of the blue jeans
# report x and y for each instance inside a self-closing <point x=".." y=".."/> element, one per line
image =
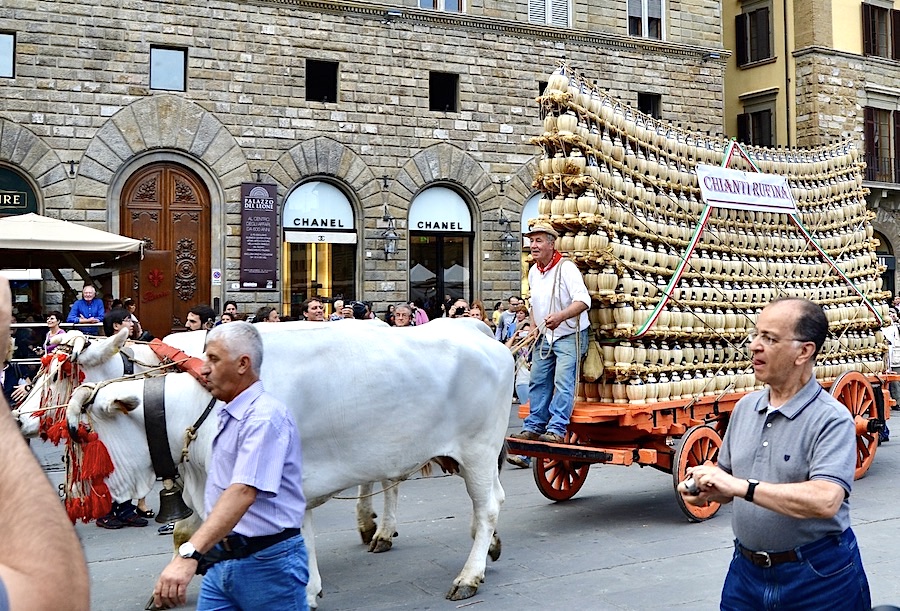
<point x="522" y="393"/>
<point x="274" y="578"/>
<point x="829" y="575"/>
<point x="552" y="387"/>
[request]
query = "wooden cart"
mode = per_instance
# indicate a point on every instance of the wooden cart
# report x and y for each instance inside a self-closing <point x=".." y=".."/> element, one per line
<point x="674" y="435"/>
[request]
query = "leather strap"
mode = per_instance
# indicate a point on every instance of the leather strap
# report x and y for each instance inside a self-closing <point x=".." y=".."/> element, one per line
<point x="155" y="426"/>
<point x="768" y="559"/>
<point x="127" y="361"/>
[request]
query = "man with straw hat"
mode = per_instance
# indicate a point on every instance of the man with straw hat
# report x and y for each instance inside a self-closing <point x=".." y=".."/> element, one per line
<point x="559" y="305"/>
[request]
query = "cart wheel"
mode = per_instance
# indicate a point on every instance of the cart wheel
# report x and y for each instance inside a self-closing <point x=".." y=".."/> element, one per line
<point x="700" y="444"/>
<point x="854" y="391"/>
<point x="559" y="480"/>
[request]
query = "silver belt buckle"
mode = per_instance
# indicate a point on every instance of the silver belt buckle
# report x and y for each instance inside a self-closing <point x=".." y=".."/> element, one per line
<point x="763" y="559"/>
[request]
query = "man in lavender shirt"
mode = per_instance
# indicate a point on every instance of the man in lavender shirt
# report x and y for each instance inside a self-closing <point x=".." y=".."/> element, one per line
<point x="252" y="534"/>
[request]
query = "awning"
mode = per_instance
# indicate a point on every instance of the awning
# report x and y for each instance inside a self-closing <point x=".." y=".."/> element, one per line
<point x="34" y="241"/>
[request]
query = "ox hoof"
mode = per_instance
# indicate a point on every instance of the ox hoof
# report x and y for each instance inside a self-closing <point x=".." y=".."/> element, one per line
<point x="380" y="545"/>
<point x="495" y="549"/>
<point x="462" y="592"/>
<point x="367" y="534"/>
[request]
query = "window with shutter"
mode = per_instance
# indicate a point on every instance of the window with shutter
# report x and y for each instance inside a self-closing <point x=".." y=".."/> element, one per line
<point x="869" y="141"/>
<point x="549" y="12"/>
<point x="537" y="11"/>
<point x="654" y="19"/>
<point x="868" y="30"/>
<point x="559" y="13"/>
<point x="646" y="18"/>
<point x="877" y="35"/>
<point x="759" y="35"/>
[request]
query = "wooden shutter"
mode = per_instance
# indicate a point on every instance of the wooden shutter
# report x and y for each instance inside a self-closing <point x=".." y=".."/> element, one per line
<point x="537" y="11"/>
<point x="559" y="13"/>
<point x="741" y="40"/>
<point x="895" y="34"/>
<point x="868" y="30"/>
<point x="743" y="125"/>
<point x="871" y="154"/>
<point x="895" y="165"/>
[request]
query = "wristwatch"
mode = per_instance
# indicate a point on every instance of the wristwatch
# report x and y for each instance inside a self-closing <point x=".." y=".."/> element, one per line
<point x="751" y="489"/>
<point x="189" y="552"/>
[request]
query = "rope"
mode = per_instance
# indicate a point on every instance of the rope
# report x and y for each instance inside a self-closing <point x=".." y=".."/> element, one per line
<point x="394" y="485"/>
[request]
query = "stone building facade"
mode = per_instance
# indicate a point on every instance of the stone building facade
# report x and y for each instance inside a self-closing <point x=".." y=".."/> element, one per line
<point x="431" y="117"/>
<point x="812" y="72"/>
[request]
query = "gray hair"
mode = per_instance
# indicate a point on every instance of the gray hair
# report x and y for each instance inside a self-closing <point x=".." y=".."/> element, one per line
<point x="240" y="337"/>
<point x="402" y="306"/>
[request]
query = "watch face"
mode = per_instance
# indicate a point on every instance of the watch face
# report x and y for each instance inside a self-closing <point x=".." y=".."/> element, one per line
<point x="186" y="550"/>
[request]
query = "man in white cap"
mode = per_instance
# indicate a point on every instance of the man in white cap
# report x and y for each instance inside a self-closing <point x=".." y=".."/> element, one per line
<point x="559" y="305"/>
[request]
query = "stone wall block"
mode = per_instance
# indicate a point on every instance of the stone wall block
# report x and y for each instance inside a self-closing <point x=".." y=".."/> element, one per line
<point x="206" y="132"/>
<point x="231" y="160"/>
<point x="280" y="175"/>
<point x="87" y="187"/>
<point x="168" y="112"/>
<point x="295" y="163"/>
<point x="147" y="120"/>
<point x="189" y="124"/>
<point x="359" y="174"/>
<point x="231" y="182"/>
<point x="89" y="168"/>
<point x="328" y="155"/>
<point x="27" y="140"/>
<point x="428" y="165"/>
<point x="11" y="135"/>
<point x="110" y="135"/>
<point x="310" y="157"/>
<point x="99" y="152"/>
<point x="407" y="182"/>
<point x="44" y="165"/>
<point x="128" y="127"/>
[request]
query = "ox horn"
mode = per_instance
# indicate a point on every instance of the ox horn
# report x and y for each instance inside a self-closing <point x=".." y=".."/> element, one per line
<point x="78" y="344"/>
<point x="171" y="506"/>
<point x="76" y="407"/>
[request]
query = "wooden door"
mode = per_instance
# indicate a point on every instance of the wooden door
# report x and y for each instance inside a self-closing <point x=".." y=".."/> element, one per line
<point x="167" y="206"/>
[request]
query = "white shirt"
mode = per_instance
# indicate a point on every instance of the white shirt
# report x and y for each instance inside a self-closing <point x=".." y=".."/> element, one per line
<point x="547" y="298"/>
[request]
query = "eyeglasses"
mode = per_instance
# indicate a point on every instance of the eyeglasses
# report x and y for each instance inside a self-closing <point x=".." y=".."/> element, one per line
<point x="768" y="341"/>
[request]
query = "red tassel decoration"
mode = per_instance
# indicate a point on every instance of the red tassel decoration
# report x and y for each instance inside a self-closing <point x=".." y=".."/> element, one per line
<point x="100" y="499"/>
<point x="95" y="463"/>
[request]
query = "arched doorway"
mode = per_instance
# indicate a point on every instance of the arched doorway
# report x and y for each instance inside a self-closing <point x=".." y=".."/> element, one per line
<point x="320" y="238"/>
<point x="168" y="207"/>
<point x="440" y="248"/>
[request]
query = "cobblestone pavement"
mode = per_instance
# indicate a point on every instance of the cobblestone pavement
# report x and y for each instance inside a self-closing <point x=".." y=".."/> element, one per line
<point x="621" y="543"/>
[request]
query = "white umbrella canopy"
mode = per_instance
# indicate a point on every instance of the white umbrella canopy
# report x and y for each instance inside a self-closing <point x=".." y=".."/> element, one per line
<point x="35" y="241"/>
<point x="420" y="274"/>
<point x="456" y="274"/>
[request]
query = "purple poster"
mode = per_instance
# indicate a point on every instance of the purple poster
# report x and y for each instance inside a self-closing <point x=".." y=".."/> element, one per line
<point x="259" y="237"/>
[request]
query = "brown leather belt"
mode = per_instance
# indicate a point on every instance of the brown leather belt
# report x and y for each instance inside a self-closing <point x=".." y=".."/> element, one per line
<point x="768" y="559"/>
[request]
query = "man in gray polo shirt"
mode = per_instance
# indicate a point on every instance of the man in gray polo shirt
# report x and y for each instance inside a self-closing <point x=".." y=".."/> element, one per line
<point x="788" y="457"/>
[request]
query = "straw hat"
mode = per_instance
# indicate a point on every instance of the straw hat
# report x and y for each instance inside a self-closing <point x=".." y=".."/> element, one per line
<point x="542" y="227"/>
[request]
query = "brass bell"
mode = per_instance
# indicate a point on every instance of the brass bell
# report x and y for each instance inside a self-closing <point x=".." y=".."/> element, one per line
<point x="171" y="506"/>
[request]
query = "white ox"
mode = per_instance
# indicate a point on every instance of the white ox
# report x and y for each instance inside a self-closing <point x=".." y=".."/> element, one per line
<point x="403" y="397"/>
<point x="100" y="359"/>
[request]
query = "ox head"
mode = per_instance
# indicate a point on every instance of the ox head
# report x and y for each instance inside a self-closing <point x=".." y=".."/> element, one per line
<point x="60" y="374"/>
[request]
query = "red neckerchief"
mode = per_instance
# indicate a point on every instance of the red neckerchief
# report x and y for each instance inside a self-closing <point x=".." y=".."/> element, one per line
<point x="557" y="257"/>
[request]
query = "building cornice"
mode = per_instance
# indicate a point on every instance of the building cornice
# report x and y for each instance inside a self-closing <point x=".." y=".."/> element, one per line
<point x="819" y="50"/>
<point x="506" y="26"/>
